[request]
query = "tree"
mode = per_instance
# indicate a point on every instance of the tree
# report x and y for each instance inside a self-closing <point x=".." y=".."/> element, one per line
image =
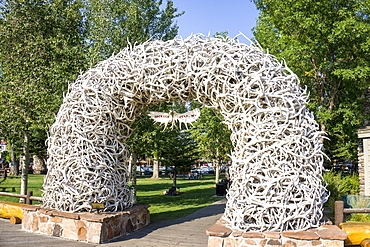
<point x="40" y="53"/>
<point x="114" y="24"/>
<point x="326" y="43"/>
<point x="212" y="137"/>
<point x="180" y="154"/>
<point x="135" y="21"/>
<point x="147" y="140"/>
<point x="151" y="139"/>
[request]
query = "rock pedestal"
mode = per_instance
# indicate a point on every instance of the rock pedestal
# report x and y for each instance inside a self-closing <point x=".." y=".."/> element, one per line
<point x="219" y="235"/>
<point x="39" y="166"/>
<point x="88" y="227"/>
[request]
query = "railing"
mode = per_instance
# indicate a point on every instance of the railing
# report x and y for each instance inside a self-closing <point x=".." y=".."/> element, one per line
<point x="3" y="175"/>
<point x="29" y="197"/>
<point x="339" y="211"/>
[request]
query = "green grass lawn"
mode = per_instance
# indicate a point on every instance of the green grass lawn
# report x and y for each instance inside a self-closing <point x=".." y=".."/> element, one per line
<point x="13" y="185"/>
<point x="196" y="194"/>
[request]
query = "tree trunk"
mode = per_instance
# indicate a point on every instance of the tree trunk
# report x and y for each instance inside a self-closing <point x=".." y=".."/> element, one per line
<point x="24" y="167"/>
<point x="174" y="180"/>
<point x="323" y="129"/>
<point x="155" y="168"/>
<point x="15" y="165"/>
<point x="217" y="170"/>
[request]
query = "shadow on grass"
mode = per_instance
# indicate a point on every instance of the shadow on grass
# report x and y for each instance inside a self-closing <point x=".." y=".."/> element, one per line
<point x="7" y="189"/>
<point x="170" y="207"/>
<point x="180" y="184"/>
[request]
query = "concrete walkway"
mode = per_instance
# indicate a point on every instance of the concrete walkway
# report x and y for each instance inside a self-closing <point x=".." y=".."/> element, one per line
<point x="187" y="231"/>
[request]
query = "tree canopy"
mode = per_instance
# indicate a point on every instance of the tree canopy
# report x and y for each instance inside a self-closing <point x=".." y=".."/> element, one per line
<point x="151" y="139"/>
<point x="212" y="135"/>
<point x="113" y="24"/>
<point x="326" y="43"/>
<point x="45" y="44"/>
<point x="40" y="53"/>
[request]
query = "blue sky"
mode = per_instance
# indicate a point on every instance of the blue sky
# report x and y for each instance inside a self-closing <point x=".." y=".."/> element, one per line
<point x="211" y="16"/>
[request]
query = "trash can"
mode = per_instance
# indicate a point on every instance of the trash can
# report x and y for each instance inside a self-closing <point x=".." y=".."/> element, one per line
<point x="221" y="189"/>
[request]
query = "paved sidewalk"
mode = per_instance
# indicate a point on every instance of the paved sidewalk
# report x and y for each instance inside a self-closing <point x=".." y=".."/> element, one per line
<point x="13" y="236"/>
<point x="189" y="231"/>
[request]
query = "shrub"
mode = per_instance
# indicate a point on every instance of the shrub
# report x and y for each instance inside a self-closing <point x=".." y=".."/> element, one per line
<point x="338" y="186"/>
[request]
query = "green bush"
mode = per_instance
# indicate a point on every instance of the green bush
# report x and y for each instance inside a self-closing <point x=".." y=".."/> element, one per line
<point x="339" y="185"/>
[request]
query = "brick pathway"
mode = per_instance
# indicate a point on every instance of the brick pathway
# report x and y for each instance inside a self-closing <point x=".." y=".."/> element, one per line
<point x="189" y="231"/>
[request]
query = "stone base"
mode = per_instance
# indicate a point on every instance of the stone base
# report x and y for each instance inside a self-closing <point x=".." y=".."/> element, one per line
<point x="219" y="235"/>
<point x="88" y="227"/>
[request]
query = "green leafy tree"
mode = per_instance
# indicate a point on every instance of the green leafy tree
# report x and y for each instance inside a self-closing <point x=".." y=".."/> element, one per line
<point x="113" y="24"/>
<point x="180" y="154"/>
<point x="150" y="139"/>
<point x="327" y="44"/>
<point x="40" y="52"/>
<point x="212" y="137"/>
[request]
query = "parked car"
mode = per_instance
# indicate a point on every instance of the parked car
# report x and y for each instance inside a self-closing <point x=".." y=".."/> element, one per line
<point x="201" y="170"/>
<point x="346" y="167"/>
<point x="163" y="170"/>
<point x="141" y="170"/>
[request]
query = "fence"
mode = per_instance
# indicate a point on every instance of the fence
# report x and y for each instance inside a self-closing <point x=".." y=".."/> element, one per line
<point x="29" y="197"/>
<point x="339" y="211"/>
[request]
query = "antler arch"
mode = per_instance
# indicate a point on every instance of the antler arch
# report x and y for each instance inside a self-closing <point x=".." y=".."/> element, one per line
<point x="277" y="157"/>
